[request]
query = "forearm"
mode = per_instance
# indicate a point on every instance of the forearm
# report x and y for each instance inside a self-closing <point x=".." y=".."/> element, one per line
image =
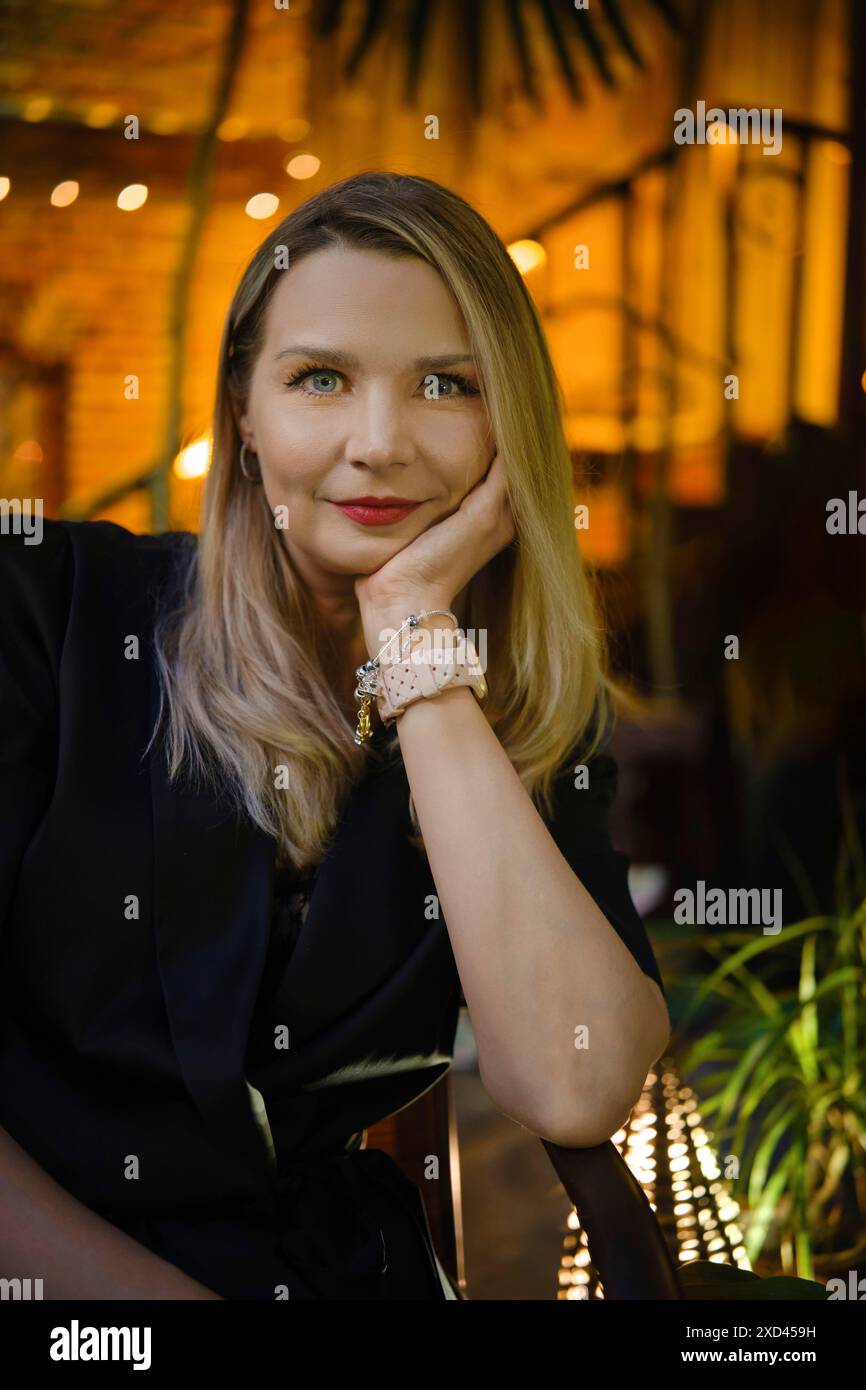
<point x="537" y="957"/>
<point x="46" y="1233"/>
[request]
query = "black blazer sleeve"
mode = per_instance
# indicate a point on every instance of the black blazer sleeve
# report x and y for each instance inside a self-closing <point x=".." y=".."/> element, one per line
<point x="35" y="596"/>
<point x="579" y="825"/>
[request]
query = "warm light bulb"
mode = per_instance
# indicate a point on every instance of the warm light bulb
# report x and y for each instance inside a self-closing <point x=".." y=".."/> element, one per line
<point x="37" y="108"/>
<point x="262" y="205"/>
<point x="232" y="128"/>
<point x="194" y="460"/>
<point x="835" y="151"/>
<point x="526" y="255"/>
<point x="295" y="128"/>
<point x="132" y="197"/>
<point x="100" y="115"/>
<point x="303" y="166"/>
<point x="64" y="194"/>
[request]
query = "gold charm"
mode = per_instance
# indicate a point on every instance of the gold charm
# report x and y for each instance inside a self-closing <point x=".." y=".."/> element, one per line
<point x="367" y="677"/>
<point x="363" y="731"/>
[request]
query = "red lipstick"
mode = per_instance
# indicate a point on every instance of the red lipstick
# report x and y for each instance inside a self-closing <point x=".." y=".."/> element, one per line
<point x="378" y="511"/>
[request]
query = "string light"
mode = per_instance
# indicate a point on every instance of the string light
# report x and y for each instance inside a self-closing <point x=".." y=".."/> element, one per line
<point x="233" y="128"/>
<point x="194" y="460"/>
<point x="262" y="205"/>
<point x="669" y="1151"/>
<point x="132" y="197"/>
<point x="527" y="254"/>
<point x="37" y="108"/>
<point x="295" y="128"/>
<point x="63" y="194"/>
<point x="303" y="166"/>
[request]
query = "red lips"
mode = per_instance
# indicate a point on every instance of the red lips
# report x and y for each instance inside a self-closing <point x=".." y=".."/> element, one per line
<point x="379" y="502"/>
<point x="378" y="511"/>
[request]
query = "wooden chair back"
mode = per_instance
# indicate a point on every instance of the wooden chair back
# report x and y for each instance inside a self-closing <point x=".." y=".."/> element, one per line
<point x="423" y="1130"/>
<point x="626" y="1242"/>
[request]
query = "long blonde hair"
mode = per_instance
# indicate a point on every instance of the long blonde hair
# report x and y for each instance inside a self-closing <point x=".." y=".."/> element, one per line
<point x="239" y="659"/>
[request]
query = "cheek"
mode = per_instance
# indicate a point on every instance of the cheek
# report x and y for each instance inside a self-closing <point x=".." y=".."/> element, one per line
<point x="285" y="486"/>
<point x="462" y="447"/>
<point x="291" y="455"/>
<point x="285" y="428"/>
<point x="462" y="475"/>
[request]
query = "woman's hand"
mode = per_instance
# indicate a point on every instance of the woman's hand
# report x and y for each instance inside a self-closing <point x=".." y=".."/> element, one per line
<point x="436" y="566"/>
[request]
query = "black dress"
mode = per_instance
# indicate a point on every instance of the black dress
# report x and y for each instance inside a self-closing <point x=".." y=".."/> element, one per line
<point x="347" y="1217"/>
<point x="146" y="966"/>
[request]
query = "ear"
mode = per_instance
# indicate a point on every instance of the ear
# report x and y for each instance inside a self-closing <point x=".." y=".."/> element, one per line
<point x="243" y="428"/>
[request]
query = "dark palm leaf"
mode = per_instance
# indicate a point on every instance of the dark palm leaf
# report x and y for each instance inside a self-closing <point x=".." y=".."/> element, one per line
<point x="551" y="22"/>
<point x="615" y="19"/>
<point x="670" y="14"/>
<point x="329" y="16"/>
<point x="376" y="10"/>
<point x="417" y="29"/>
<point x="521" y="44"/>
<point x="588" y="36"/>
<point x="473" y="25"/>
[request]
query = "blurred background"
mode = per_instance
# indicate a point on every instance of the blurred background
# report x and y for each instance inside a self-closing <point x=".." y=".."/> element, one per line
<point x="705" y="304"/>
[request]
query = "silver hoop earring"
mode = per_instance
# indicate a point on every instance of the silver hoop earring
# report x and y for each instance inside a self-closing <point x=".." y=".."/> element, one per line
<point x="250" y="477"/>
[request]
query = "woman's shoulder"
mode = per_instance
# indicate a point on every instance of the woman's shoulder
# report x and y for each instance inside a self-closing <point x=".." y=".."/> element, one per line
<point x="45" y="564"/>
<point x="47" y="544"/>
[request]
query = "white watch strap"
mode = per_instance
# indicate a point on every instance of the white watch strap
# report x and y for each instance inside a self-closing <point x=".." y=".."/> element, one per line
<point x="403" y="682"/>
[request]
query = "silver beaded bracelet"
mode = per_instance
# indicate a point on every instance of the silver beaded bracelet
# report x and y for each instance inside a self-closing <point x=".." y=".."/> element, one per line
<point x="367" y="674"/>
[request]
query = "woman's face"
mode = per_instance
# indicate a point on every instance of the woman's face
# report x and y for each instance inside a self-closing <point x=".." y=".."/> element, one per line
<point x="343" y="405"/>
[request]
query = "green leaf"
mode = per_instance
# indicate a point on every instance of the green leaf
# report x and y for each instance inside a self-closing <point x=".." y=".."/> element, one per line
<point x="764" y="1209"/>
<point x="704" y="1280"/>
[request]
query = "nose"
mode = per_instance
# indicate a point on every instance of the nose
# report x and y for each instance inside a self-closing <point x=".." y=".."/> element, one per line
<point x="378" y="434"/>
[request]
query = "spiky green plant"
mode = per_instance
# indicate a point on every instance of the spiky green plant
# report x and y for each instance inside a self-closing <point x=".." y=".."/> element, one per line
<point x="784" y="1025"/>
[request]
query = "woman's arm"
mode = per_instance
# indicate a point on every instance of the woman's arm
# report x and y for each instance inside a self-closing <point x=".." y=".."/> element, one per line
<point x="46" y="1233"/>
<point x="542" y="969"/>
<point x="537" y="958"/>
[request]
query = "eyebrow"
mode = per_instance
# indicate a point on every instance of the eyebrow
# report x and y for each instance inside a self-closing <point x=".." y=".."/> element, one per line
<point x="348" y="359"/>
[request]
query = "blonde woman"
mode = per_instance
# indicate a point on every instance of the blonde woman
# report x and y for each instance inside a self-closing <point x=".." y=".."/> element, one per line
<point x="262" y="834"/>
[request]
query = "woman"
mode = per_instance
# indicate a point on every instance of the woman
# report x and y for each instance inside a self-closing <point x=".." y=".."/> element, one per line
<point x="262" y="834"/>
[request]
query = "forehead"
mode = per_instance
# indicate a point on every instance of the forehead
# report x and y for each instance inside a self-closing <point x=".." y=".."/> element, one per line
<point x="363" y="300"/>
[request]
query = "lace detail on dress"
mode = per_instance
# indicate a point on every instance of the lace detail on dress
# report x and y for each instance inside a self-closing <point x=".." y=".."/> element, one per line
<point x="292" y="894"/>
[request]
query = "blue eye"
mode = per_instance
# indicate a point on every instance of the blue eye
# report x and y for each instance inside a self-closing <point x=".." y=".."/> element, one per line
<point x="454" y="378"/>
<point x="305" y="372"/>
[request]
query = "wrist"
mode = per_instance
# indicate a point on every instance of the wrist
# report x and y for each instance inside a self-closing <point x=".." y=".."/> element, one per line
<point x="438" y="660"/>
<point x="381" y="623"/>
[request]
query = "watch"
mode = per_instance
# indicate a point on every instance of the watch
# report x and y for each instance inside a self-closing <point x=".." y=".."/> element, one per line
<point x="427" y="674"/>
